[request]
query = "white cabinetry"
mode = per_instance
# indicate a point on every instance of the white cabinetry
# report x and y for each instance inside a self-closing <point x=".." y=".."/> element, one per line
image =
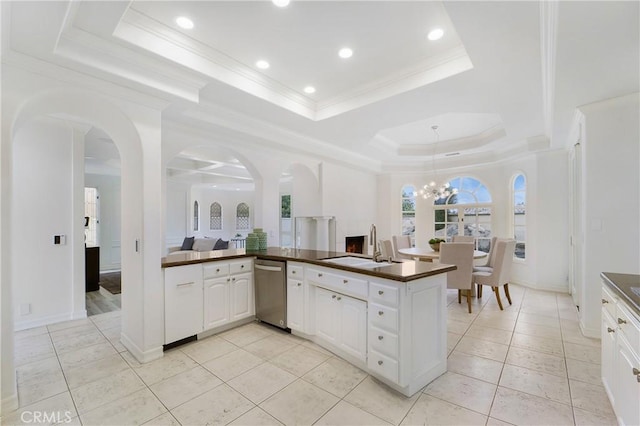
<point x="242" y="305"/>
<point x="182" y="302"/>
<point x="295" y="296"/>
<point x="621" y="357"/>
<point x="228" y="292"/>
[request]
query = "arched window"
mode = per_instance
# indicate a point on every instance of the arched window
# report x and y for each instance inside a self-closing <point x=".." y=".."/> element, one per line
<point x="242" y="216"/>
<point x="196" y="216"/>
<point x="519" y="188"/>
<point x="215" y="216"/>
<point x="469" y="207"/>
<point x="409" y="211"/>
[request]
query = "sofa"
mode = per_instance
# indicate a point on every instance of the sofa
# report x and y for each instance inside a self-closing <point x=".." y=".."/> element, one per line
<point x="191" y="244"/>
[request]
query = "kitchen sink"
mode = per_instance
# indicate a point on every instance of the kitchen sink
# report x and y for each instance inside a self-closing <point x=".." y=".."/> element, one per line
<point x="357" y="262"/>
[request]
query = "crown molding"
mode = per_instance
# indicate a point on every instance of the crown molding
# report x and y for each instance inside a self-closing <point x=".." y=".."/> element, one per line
<point x="453" y="145"/>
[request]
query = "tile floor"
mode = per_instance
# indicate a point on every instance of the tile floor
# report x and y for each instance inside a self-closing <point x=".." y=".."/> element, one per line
<point x="526" y="365"/>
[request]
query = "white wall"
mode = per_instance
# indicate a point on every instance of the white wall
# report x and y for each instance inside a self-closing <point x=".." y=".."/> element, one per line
<point x="42" y="207"/>
<point x="611" y="198"/>
<point x="109" y="192"/>
<point x="177" y="214"/>
<point x="229" y="201"/>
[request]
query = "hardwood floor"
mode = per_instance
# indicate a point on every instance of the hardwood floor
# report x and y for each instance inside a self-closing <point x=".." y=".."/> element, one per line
<point x="100" y="302"/>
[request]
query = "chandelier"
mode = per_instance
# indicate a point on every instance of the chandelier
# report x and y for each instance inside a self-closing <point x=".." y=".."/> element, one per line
<point x="433" y="189"/>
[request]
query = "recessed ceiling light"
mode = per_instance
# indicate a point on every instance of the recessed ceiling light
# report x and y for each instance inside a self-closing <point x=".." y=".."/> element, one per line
<point x="435" y="34"/>
<point x="309" y="89"/>
<point x="345" y="53"/>
<point x="262" y="64"/>
<point x="281" y="3"/>
<point x="184" y="22"/>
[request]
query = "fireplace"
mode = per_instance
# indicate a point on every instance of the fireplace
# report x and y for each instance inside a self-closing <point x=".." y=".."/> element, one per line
<point x="356" y="244"/>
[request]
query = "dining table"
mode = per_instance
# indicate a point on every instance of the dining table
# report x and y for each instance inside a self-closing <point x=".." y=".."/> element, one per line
<point x="429" y="255"/>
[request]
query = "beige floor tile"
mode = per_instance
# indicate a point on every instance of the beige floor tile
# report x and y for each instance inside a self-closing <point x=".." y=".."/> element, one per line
<point x="35" y="348"/>
<point x="578" y="338"/>
<point x="299" y="360"/>
<point x="183" y="387"/>
<point x="30" y="332"/>
<point x="233" y="364"/>
<point x="543" y="331"/>
<point x="539" y="344"/>
<point x="58" y="408"/>
<point x="335" y="376"/>
<point x="271" y="347"/>
<point x="87" y="354"/>
<point x="452" y="341"/>
<point x="112" y="334"/>
<point x="104" y="323"/>
<point x="483" y="369"/>
<point x="482" y="348"/>
<point x="463" y="391"/>
<point x="96" y="370"/>
<point x="219" y="406"/>
<point x="208" y="349"/>
<point x="169" y="365"/>
<point x="68" y="324"/>
<point x="536" y="383"/>
<point x="245" y="335"/>
<point x="539" y="320"/>
<point x="81" y="330"/>
<point x="590" y="398"/>
<point x="458" y="327"/>
<point x="108" y="389"/>
<point x="345" y="414"/>
<point x="299" y="403"/>
<point x="490" y="334"/>
<point x="261" y="382"/>
<point x="133" y="409"/>
<point x="505" y="323"/>
<point x="495" y="422"/>
<point x="538" y="361"/>
<point x="521" y="408"/>
<point x="39" y="380"/>
<point x="380" y="400"/>
<point x="584" y="371"/>
<point x="316" y="348"/>
<point x="584" y="353"/>
<point x="550" y="311"/>
<point x="74" y="343"/>
<point x="165" y="419"/>
<point x="433" y="411"/>
<point x="587" y="418"/>
<point x="256" y="417"/>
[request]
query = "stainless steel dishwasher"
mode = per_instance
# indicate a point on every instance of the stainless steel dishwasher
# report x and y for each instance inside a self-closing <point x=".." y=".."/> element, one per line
<point x="271" y="292"/>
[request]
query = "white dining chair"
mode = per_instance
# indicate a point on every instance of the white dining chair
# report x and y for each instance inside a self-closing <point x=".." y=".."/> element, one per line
<point x="500" y="273"/>
<point x="399" y="242"/>
<point x="461" y="255"/>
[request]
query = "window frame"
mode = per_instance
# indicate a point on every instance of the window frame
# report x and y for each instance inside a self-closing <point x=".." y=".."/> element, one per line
<point x="212" y="217"/>
<point x="196" y="216"/>
<point x="512" y="213"/>
<point x="238" y="217"/>
<point x="413" y="197"/>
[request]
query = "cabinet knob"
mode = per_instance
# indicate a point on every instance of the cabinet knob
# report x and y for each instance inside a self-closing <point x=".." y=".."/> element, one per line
<point x="380" y="292"/>
<point x="610" y="330"/>
<point x="299" y="284"/>
<point x="380" y="337"/>
<point x="241" y="266"/>
<point x="380" y="313"/>
<point x="621" y="321"/>
<point x="604" y="301"/>
<point x="345" y="281"/>
<point x="636" y="372"/>
<point x="293" y="272"/>
<point x="334" y="296"/>
<point x="233" y="279"/>
<point x="319" y="275"/>
<point x="218" y="270"/>
<point x="380" y="362"/>
<point x="228" y="279"/>
<point x="339" y="298"/>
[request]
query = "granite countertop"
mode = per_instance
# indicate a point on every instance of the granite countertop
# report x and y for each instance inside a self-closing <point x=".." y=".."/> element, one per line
<point x="405" y="271"/>
<point x="627" y="286"/>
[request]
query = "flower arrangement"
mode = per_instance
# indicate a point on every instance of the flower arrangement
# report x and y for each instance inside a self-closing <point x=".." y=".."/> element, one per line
<point x="435" y="243"/>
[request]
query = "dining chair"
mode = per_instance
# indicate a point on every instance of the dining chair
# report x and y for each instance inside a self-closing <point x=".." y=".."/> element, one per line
<point x="463" y="239"/>
<point x="386" y="248"/>
<point x="400" y="242"/>
<point x="488" y="265"/>
<point x="461" y="255"/>
<point x="500" y="273"/>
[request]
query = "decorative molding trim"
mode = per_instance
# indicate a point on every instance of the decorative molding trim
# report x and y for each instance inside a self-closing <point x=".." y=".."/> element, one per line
<point x="548" y="42"/>
<point x="594" y="333"/>
<point x="454" y="145"/>
<point x="140" y="355"/>
<point x="9" y="404"/>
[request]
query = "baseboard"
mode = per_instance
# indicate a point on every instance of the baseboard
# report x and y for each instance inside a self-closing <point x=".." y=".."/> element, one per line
<point x="139" y="354"/>
<point x="9" y="404"/>
<point x="593" y="333"/>
<point x="556" y="288"/>
<point x="48" y="320"/>
<point x="79" y="314"/>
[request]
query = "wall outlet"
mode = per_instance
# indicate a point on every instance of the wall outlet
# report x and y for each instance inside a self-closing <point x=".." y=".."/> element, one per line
<point x="59" y="240"/>
<point x="25" y="308"/>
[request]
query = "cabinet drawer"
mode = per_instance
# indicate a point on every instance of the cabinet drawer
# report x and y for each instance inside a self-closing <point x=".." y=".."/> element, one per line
<point x="295" y="271"/>
<point x="240" y="267"/>
<point x="384" y="294"/>
<point x="608" y="301"/>
<point x="383" y="365"/>
<point x="383" y="342"/>
<point x="341" y="283"/>
<point x="383" y="317"/>
<point x="629" y="326"/>
<point x="215" y="270"/>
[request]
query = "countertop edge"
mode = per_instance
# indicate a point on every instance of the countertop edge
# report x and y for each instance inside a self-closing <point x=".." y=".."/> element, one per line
<point x="609" y="279"/>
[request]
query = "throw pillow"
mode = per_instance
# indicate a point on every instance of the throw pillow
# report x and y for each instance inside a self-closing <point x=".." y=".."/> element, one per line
<point x="203" y="244"/>
<point x="221" y="245"/>
<point x="187" y="244"/>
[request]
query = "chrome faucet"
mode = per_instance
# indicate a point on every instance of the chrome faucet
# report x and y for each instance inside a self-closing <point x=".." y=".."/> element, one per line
<point x="377" y="255"/>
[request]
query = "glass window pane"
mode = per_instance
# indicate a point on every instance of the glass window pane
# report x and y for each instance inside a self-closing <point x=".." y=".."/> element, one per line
<point x="408" y="191"/>
<point x="452" y="215"/>
<point x="484" y="244"/>
<point x="452" y="229"/>
<point x="408" y="204"/>
<point x="465" y="198"/>
<point x="483" y="195"/>
<point x="469" y="184"/>
<point x="520" y="250"/>
<point x="408" y="225"/>
<point x="519" y="183"/>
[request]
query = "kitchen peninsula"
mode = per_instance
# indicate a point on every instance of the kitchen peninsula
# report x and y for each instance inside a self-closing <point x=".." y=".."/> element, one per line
<point x="388" y="319"/>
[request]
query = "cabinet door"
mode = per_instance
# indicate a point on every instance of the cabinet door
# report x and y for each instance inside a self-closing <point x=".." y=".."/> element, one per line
<point x="182" y="302"/>
<point x="242" y="305"/>
<point x="295" y="305"/>
<point x="608" y="349"/>
<point x="353" y="326"/>
<point x="627" y="384"/>
<point x="326" y="315"/>
<point x="216" y="302"/>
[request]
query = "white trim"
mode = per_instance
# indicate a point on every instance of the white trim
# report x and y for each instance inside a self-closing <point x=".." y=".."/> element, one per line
<point x="593" y="333"/>
<point x="48" y="320"/>
<point x="140" y="355"/>
<point x="9" y="404"/>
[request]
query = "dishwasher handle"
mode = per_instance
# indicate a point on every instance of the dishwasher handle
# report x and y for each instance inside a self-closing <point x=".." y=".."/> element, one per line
<point x="269" y="268"/>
